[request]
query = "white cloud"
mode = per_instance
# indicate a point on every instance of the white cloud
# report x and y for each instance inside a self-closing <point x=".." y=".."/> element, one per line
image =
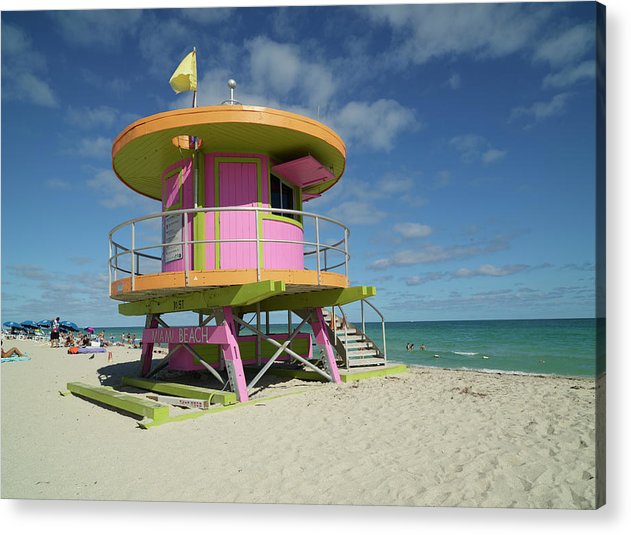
<point x="393" y="184"/>
<point x="543" y="109"/>
<point x="489" y="270"/>
<point x="115" y="85"/>
<point x="454" y="81"/>
<point x="274" y="65"/>
<point x="206" y="15"/>
<point x="417" y="280"/>
<point x="429" y="253"/>
<point x="23" y="80"/>
<point x="485" y="270"/>
<point x="57" y="184"/>
<point x="98" y="147"/>
<point x="110" y="191"/>
<point x="357" y="213"/>
<point x="87" y="118"/>
<point x="473" y="147"/>
<point x="375" y="124"/>
<point x="163" y="54"/>
<point x="481" y="30"/>
<point x="284" y="76"/>
<point x="492" y="155"/>
<point x="34" y="90"/>
<point x="284" y="71"/>
<point x="412" y="230"/>
<point x="442" y="180"/>
<point x="80" y="297"/>
<point x="105" y="27"/>
<point x="568" y="46"/>
<point x="570" y="75"/>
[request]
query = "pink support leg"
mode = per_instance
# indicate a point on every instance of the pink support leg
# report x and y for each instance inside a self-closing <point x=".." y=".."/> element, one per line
<point x="319" y="330"/>
<point x="232" y="358"/>
<point x="147" y="348"/>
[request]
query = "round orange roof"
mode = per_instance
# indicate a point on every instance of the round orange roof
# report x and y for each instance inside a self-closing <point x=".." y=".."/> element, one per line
<point x="145" y="148"/>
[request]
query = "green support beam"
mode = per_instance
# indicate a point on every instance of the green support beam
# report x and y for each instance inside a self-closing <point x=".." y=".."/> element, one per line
<point x="181" y="390"/>
<point x="358" y="374"/>
<point x="235" y="296"/>
<point x="120" y="400"/>
<point x="318" y="298"/>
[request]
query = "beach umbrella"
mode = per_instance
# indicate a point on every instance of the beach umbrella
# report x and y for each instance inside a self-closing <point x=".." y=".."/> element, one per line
<point x="89" y="330"/>
<point x="13" y="325"/>
<point x="44" y="323"/>
<point x="28" y="324"/>
<point x="68" y="326"/>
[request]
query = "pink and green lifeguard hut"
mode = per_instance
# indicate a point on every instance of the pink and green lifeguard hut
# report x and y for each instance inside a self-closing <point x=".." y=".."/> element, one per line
<point x="233" y="244"/>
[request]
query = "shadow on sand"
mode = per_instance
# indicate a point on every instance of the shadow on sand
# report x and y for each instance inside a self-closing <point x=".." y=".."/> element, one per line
<point x="112" y="375"/>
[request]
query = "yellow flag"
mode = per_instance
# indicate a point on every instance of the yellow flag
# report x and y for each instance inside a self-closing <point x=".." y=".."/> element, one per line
<point x="185" y="76"/>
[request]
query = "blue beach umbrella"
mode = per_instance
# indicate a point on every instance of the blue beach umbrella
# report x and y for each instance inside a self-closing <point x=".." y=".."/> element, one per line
<point x="28" y="324"/>
<point x="44" y="323"/>
<point x="13" y="325"/>
<point x="68" y="326"/>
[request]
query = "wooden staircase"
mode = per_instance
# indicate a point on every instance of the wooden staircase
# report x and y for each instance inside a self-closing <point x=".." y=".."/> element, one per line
<point x="354" y="347"/>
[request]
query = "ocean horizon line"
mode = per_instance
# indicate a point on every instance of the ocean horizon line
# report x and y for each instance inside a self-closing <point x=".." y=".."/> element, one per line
<point x="388" y="322"/>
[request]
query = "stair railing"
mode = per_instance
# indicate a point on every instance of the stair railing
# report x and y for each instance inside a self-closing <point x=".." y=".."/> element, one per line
<point x="383" y="326"/>
<point x="345" y="325"/>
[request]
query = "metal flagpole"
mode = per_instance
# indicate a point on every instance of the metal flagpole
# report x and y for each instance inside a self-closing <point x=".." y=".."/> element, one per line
<point x="195" y="91"/>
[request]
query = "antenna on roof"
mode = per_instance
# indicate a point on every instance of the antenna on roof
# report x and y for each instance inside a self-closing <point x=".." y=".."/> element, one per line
<point x="232" y="85"/>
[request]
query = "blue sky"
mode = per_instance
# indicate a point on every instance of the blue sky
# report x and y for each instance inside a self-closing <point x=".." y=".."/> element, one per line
<point x="470" y="180"/>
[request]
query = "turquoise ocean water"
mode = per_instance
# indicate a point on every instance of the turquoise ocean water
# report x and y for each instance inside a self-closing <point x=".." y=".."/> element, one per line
<point x="565" y="347"/>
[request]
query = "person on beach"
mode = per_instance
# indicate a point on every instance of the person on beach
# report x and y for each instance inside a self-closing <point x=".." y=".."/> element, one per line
<point x="54" y="333"/>
<point x="10" y="352"/>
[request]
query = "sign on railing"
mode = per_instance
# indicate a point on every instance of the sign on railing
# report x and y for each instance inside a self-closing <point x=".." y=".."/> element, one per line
<point x="173" y="237"/>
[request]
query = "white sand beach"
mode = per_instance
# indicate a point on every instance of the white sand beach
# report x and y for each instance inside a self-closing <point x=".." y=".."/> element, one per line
<point x="424" y="438"/>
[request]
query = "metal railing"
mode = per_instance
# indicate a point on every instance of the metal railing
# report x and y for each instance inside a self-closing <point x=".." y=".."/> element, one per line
<point x="127" y="251"/>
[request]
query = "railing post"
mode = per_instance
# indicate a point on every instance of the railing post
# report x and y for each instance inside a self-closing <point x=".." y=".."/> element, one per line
<point x="317" y="237"/>
<point x="258" y="335"/>
<point x="258" y="247"/>
<point x="109" y="269"/>
<point x="133" y="262"/>
<point x="185" y="245"/>
<point x="363" y="319"/>
<point x="346" y="252"/>
<point x="345" y="323"/>
<point x="115" y="263"/>
<point x="383" y="336"/>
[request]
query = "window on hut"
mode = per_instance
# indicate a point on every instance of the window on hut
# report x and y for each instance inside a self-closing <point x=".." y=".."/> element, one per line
<point x="282" y="196"/>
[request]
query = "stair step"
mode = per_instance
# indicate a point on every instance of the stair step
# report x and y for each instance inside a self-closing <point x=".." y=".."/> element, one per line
<point x="357" y="345"/>
<point x="351" y="337"/>
<point x="361" y="353"/>
<point x="366" y="362"/>
<point x="342" y="332"/>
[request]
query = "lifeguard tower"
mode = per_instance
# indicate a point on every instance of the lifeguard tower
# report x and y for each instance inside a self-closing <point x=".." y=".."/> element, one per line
<point x="233" y="243"/>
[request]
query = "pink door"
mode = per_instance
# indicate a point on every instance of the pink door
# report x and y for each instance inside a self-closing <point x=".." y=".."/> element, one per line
<point x="237" y="187"/>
